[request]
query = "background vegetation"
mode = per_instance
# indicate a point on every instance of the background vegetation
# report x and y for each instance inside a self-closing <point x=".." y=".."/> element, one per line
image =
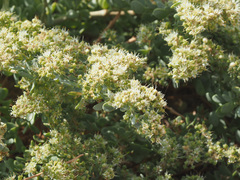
<point x="159" y="100"/>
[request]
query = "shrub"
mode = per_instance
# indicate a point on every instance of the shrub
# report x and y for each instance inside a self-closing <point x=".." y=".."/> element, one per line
<point x="105" y="120"/>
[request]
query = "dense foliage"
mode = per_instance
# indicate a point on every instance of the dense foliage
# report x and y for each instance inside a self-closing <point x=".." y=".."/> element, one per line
<point x="160" y="100"/>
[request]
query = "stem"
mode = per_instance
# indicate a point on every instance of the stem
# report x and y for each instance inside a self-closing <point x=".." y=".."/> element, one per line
<point x="74" y="159"/>
<point x="111" y="23"/>
<point x="36" y="175"/>
<point x="173" y="111"/>
<point x="105" y="12"/>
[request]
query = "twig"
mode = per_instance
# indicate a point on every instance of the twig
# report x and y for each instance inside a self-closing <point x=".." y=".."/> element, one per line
<point x="174" y="112"/>
<point x="105" y="12"/>
<point x="68" y="162"/>
<point x="111" y="23"/>
<point x="74" y="159"/>
<point x="36" y="175"/>
<point x="100" y="13"/>
<point x="132" y="39"/>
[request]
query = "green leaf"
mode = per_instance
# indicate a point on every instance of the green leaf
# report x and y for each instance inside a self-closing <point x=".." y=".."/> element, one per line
<point x="3" y="148"/>
<point x="80" y="105"/>
<point x="34" y="129"/>
<point x="9" y="164"/>
<point x="124" y="108"/>
<point x="139" y="152"/>
<point x="10" y="141"/>
<point x="119" y="3"/>
<point x="144" y="51"/>
<point x="175" y="4"/>
<point x="74" y="93"/>
<point x="3" y="93"/>
<point x="199" y="87"/>
<point x="84" y="14"/>
<point x="98" y="107"/>
<point x="54" y="158"/>
<point x="137" y="7"/>
<point x="217" y="99"/>
<point x="147" y="16"/>
<point x="36" y="138"/>
<point x="223" y="123"/>
<point x="103" y="3"/>
<point x="159" y="4"/>
<point x="72" y="13"/>
<point x="160" y="13"/>
<point x="224" y="170"/>
<point x="19" y="145"/>
<point x="5" y="5"/>
<point x="109" y="134"/>
<point x="208" y="96"/>
<point x="13" y="131"/>
<point x="31" y="118"/>
<point x="187" y="120"/>
<point x="236" y="89"/>
<point x="227" y="108"/>
<point x="19" y="165"/>
<point x="24" y="73"/>
<point x="213" y="118"/>
<point x="133" y="120"/>
<point x="6" y="73"/>
<point x="5" y="103"/>
<point x="4" y="109"/>
<point x="237" y="111"/>
<point x="108" y="108"/>
<point x="238" y="135"/>
<point x="53" y="6"/>
<point x="227" y="96"/>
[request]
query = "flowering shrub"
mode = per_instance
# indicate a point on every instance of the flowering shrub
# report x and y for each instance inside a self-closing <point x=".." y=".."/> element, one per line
<point x="104" y="120"/>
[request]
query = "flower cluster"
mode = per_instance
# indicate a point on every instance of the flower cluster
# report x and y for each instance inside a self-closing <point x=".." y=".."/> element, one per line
<point x="52" y="63"/>
<point x="98" y="157"/>
<point x="148" y="101"/>
<point x="194" y="52"/>
<point x="198" y="16"/>
<point x="18" y="43"/>
<point x="170" y="150"/>
<point x="194" y="147"/>
<point x="234" y="65"/>
<point x="190" y="57"/>
<point x="3" y="148"/>
<point x="29" y="103"/>
<point x="122" y="118"/>
<point x="146" y="34"/>
<point x="53" y="51"/>
<point x="110" y="69"/>
<point x="6" y="19"/>
<point x="141" y="97"/>
<point x="160" y="74"/>
<point x="43" y="58"/>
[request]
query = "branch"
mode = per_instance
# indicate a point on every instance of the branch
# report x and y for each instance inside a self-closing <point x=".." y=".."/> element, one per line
<point x="100" y="13"/>
<point x="111" y="23"/>
<point x="173" y="111"/>
<point x="132" y="39"/>
<point x="74" y="159"/>
<point x="36" y="175"/>
<point x="105" y="12"/>
<point x="68" y="162"/>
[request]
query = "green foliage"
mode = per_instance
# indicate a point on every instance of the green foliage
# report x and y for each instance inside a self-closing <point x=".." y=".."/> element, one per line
<point x="103" y="106"/>
<point x="3" y="127"/>
<point x="3" y="149"/>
